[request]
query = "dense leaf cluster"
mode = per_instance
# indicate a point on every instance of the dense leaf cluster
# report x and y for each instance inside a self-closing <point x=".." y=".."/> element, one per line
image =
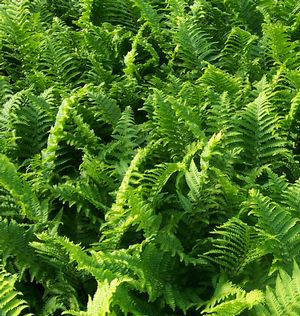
<point x="149" y="157"/>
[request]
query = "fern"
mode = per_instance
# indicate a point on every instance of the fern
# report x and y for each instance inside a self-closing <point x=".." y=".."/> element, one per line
<point x="237" y="47"/>
<point x="104" y="108"/>
<point x="100" y="304"/>
<point x="246" y="14"/>
<point x="164" y="115"/>
<point x="277" y="225"/>
<point x="231" y="300"/>
<point x="148" y="13"/>
<point x="16" y="31"/>
<point x="56" y="133"/>
<point x="6" y="91"/>
<point x="10" y="301"/>
<point x="193" y="46"/>
<point x="115" y="217"/>
<point x="236" y="246"/>
<point x="31" y="125"/>
<point x="220" y="81"/>
<point x="8" y="205"/>
<point x="20" y="190"/>
<point x="280" y="48"/>
<point x="196" y="179"/>
<point x="60" y="63"/>
<point x="15" y="246"/>
<point x="291" y="196"/>
<point x="257" y="125"/>
<point x="286" y="11"/>
<point x="283" y="299"/>
<point x="149" y="268"/>
<point x="114" y="12"/>
<point x="149" y="149"/>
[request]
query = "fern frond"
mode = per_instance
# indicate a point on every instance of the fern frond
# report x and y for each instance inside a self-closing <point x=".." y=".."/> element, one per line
<point x="133" y="56"/>
<point x="7" y="131"/>
<point x="49" y="154"/>
<point x="291" y="196"/>
<point x="189" y="116"/>
<point x="279" y="46"/>
<point x="193" y="46"/>
<point x="21" y="192"/>
<point x="154" y="180"/>
<point x="231" y="300"/>
<point x="8" y="205"/>
<point x="177" y="7"/>
<point x="115" y="12"/>
<point x="196" y="179"/>
<point x="59" y="61"/>
<point x="237" y="48"/>
<point x="284" y="11"/>
<point x="104" y="108"/>
<point x="291" y="118"/>
<point x="284" y="298"/>
<point x="31" y="124"/>
<point x="10" y="300"/>
<point x="102" y="300"/>
<point x="14" y="242"/>
<point x="58" y="297"/>
<point x="220" y="81"/>
<point x="19" y="44"/>
<point x="220" y="114"/>
<point x="257" y="124"/>
<point x="163" y="115"/>
<point x="78" y="195"/>
<point x="6" y="91"/>
<point x="115" y="218"/>
<point x="246" y="14"/>
<point x="236" y="246"/>
<point x="276" y="187"/>
<point x="277" y="225"/>
<point x="125" y="132"/>
<point x="148" y="13"/>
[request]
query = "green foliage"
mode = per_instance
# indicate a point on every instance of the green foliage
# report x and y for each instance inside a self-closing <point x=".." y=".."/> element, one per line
<point x="238" y="244"/>
<point x="11" y="304"/>
<point x="149" y="157"/>
<point x="231" y="300"/>
<point x="283" y="298"/>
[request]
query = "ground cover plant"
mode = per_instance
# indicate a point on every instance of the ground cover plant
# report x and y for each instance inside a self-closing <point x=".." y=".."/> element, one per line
<point x="149" y="157"/>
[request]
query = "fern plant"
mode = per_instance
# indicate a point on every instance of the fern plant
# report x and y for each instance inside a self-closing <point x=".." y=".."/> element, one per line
<point x="149" y="157"/>
<point x="11" y="304"/>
